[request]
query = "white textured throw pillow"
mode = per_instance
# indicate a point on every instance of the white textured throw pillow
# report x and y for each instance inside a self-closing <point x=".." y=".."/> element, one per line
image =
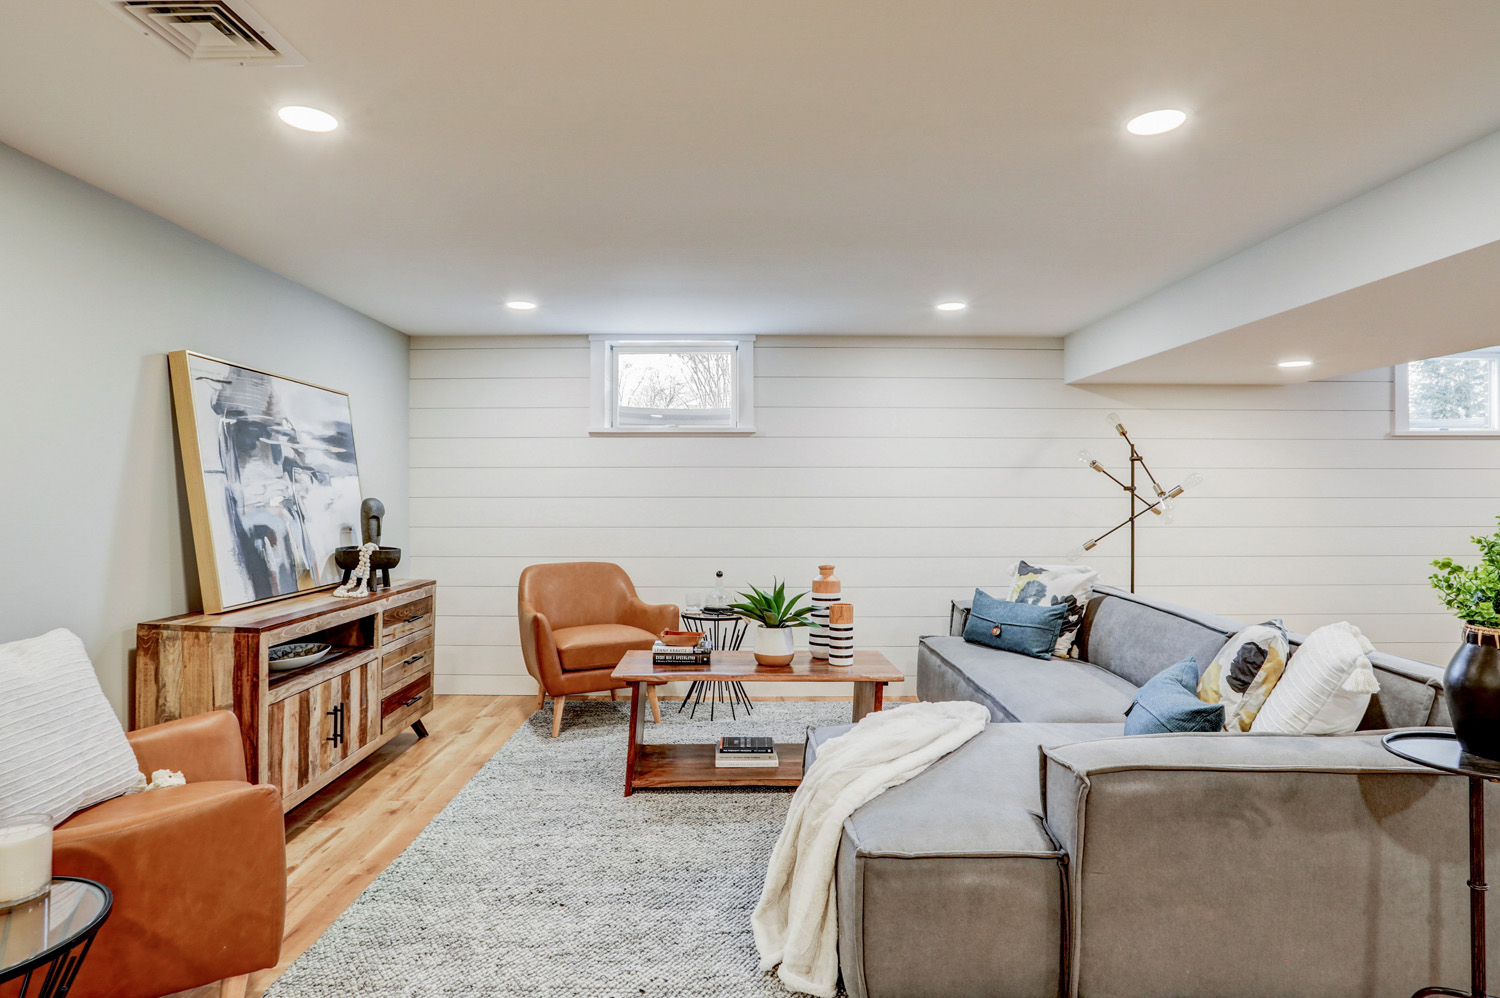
<point x="1048" y="585"/>
<point x="1326" y="688"/>
<point x="61" y="746"/>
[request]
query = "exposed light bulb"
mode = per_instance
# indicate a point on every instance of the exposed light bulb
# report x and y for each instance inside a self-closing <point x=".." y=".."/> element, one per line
<point x="1078" y="552"/>
<point x="1087" y="460"/>
<point x="1192" y="481"/>
<point x="1113" y="419"/>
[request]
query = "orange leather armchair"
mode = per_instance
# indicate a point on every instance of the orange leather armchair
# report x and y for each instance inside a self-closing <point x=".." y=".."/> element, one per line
<point x="578" y="619"/>
<point x="198" y="871"/>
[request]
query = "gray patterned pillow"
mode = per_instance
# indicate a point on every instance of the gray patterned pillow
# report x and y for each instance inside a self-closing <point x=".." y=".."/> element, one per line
<point x="1051" y="585"/>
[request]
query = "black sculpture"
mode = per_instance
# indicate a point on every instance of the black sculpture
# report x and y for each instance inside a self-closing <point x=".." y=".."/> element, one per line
<point x="383" y="559"/>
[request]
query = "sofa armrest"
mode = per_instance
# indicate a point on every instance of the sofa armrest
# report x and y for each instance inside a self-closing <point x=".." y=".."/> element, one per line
<point x="1281" y="842"/>
<point x="199" y="880"/>
<point x="201" y="747"/>
<point x="653" y="617"/>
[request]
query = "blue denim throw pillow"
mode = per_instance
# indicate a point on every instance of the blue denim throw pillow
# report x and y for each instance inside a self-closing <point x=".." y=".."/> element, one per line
<point x="1018" y="627"/>
<point x="1169" y="702"/>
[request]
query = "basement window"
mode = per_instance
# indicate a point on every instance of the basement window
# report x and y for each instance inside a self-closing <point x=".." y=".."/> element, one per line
<point x="672" y="385"/>
<point x="1457" y="396"/>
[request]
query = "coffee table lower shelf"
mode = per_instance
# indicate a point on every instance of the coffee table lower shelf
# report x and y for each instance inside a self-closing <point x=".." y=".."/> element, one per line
<point x="661" y="765"/>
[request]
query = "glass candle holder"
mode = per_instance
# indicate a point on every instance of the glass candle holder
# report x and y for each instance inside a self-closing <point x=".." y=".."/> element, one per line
<point x="25" y="857"/>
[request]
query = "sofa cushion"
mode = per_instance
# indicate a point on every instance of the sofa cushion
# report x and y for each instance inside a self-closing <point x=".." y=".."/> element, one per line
<point x="1068" y="586"/>
<point x="595" y="646"/>
<point x="1024" y="628"/>
<point x="949" y="884"/>
<point x="1019" y="688"/>
<point x="1135" y="638"/>
<point x="1244" y="673"/>
<point x="1169" y="702"/>
<point x="1327" y="687"/>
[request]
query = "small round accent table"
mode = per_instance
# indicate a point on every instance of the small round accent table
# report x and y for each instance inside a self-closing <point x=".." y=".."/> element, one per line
<point x="1441" y="751"/>
<point x="725" y="632"/>
<point x="52" y="934"/>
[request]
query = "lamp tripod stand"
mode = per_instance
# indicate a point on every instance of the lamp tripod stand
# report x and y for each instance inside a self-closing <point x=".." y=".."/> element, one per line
<point x="1165" y="498"/>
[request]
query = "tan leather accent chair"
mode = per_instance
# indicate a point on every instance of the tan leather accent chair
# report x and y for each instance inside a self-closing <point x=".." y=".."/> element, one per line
<point x="198" y="871"/>
<point x="578" y="619"/>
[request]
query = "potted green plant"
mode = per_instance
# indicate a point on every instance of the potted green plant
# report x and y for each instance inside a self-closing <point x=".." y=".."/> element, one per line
<point x="774" y="614"/>
<point x="1472" y="683"/>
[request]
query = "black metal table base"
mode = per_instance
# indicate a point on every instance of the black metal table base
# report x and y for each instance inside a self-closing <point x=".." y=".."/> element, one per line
<point x="715" y="691"/>
<point x="1477" y="890"/>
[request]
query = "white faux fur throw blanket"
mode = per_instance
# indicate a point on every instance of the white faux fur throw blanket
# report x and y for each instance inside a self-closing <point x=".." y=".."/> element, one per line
<point x="796" y="921"/>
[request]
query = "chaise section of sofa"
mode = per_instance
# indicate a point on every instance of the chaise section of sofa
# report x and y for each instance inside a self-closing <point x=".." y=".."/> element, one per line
<point x="950" y="884"/>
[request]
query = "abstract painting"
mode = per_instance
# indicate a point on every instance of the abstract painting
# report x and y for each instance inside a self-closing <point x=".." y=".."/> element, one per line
<point x="272" y="479"/>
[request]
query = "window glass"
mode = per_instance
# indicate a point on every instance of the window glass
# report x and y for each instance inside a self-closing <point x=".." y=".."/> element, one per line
<point x="1456" y="394"/>
<point x="656" y="387"/>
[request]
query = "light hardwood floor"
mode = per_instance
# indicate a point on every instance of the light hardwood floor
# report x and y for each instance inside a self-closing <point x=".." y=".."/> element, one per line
<point x="339" y="840"/>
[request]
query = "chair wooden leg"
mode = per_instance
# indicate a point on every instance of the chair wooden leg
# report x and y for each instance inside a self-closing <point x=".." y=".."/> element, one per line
<point x="612" y="694"/>
<point x="655" y="704"/>
<point x="541" y="698"/>
<point x="235" y="987"/>
<point x="557" y="709"/>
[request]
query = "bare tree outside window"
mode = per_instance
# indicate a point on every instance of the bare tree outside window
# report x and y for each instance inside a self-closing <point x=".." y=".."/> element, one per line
<point x="667" y="381"/>
<point x="1450" y="392"/>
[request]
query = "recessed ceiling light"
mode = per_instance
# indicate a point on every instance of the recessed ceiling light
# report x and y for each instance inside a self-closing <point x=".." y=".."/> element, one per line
<point x="1294" y="363"/>
<point x="521" y="306"/>
<point x="1156" y="122"/>
<point x="309" y="119"/>
<point x="952" y="306"/>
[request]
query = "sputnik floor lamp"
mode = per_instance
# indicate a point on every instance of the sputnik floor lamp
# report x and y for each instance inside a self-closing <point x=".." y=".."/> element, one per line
<point x="1162" y="507"/>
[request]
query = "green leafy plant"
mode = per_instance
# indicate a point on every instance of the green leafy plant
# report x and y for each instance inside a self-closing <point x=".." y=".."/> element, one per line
<point x="1472" y="592"/>
<point x="772" y="609"/>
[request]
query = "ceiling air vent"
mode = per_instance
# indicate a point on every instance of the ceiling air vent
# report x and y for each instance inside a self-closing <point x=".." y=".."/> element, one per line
<point x="211" y="31"/>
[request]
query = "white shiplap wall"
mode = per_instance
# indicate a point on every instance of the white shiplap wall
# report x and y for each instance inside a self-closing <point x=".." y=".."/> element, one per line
<point x="924" y="468"/>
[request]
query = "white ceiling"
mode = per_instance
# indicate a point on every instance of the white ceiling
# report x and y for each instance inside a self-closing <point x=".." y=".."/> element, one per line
<point x="765" y="166"/>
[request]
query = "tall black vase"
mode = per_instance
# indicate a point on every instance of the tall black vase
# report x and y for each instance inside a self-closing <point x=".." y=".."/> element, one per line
<point x="1472" y="688"/>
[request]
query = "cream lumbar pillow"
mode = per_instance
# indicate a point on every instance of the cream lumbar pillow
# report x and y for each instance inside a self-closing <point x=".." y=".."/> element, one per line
<point x="61" y="747"/>
<point x="1327" y="686"/>
<point x="1051" y="585"/>
<point x="1244" y="673"/>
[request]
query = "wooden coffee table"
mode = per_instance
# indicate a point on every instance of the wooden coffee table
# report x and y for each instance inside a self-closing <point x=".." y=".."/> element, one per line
<point x="693" y="765"/>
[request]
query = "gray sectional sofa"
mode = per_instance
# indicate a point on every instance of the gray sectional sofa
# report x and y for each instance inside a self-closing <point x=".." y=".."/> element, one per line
<point x="1053" y="855"/>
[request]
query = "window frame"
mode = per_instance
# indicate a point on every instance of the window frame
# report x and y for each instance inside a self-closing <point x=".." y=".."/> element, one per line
<point x="604" y="351"/>
<point x="1401" y="401"/>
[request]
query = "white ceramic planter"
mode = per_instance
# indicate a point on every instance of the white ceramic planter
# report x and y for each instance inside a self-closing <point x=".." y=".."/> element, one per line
<point x="773" y="645"/>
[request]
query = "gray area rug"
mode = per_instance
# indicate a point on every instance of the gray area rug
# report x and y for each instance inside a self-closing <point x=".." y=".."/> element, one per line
<point x="541" y="879"/>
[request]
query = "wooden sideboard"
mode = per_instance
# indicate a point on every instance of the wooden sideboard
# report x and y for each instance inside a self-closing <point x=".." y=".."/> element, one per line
<point x="304" y="728"/>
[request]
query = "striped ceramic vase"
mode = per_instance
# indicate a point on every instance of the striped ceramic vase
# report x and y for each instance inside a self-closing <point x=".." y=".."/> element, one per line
<point x="825" y="593"/>
<point x="841" y="634"/>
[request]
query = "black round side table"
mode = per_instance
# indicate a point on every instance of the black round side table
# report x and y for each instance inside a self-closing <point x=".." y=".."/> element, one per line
<point x="1441" y="751"/>
<point x="725" y="633"/>
<point x="53" y="932"/>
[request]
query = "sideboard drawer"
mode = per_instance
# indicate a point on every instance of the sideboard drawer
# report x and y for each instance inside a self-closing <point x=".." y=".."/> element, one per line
<point x="406" y="618"/>
<point x="412" y="657"/>
<point x="408" y="703"/>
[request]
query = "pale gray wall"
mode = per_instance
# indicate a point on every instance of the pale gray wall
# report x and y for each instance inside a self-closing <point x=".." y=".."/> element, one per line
<point x="94" y="293"/>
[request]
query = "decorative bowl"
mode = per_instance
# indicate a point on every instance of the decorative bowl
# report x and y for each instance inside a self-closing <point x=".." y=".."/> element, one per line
<point x="296" y="654"/>
<point x="681" y="639"/>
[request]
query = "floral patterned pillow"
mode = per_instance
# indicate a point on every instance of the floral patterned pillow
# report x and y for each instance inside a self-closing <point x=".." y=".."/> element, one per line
<point x="1051" y="585"/>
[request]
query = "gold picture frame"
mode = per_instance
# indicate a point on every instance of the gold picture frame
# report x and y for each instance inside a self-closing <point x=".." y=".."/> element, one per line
<point x="272" y="479"/>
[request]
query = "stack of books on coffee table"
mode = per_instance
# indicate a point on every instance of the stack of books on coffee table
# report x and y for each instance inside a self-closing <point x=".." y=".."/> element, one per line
<point x="665" y="654"/>
<point x="748" y="751"/>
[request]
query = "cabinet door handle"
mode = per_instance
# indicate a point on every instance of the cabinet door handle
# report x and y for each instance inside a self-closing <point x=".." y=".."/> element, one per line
<point x="415" y="658"/>
<point x="337" y="714"/>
